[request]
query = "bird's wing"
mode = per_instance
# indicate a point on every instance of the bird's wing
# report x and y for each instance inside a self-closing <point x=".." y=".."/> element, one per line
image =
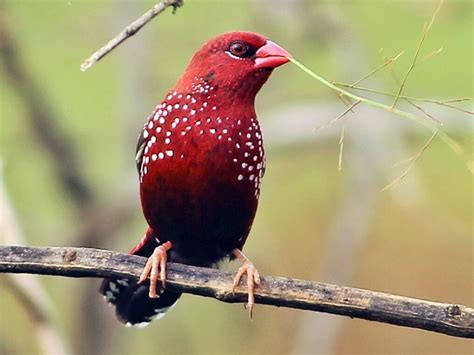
<point x="142" y="141"/>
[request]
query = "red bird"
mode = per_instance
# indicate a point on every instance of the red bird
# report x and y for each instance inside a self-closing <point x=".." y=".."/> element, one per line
<point x="200" y="159"/>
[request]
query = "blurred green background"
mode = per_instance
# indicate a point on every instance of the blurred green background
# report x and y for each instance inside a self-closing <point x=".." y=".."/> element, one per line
<point x="314" y="222"/>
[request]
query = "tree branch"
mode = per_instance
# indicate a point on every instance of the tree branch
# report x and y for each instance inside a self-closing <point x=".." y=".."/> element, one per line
<point x="450" y="319"/>
<point x="129" y="31"/>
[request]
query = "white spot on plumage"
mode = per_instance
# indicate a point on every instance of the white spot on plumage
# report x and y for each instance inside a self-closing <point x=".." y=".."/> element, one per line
<point x="113" y="287"/>
<point x="240" y="177"/>
<point x="169" y="153"/>
<point x="139" y="325"/>
<point x="153" y="157"/>
<point x="145" y="134"/>
<point x="122" y="282"/>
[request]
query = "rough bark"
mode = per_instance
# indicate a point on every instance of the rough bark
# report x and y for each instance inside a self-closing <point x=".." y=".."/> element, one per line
<point x="450" y="319"/>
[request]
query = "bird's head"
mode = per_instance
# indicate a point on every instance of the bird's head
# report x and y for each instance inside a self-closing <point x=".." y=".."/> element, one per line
<point x="235" y="63"/>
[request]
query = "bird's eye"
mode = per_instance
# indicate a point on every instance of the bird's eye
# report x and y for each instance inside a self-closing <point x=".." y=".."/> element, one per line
<point x="240" y="49"/>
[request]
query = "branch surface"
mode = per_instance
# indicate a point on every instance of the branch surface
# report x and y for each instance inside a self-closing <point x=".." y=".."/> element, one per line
<point x="451" y="319"/>
<point x="129" y="31"/>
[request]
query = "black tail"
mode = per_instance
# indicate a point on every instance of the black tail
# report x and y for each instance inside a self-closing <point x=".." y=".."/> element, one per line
<point x="132" y="304"/>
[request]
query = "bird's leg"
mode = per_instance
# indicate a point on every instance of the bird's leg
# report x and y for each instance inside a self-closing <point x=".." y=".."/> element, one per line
<point x="156" y="268"/>
<point x="253" y="278"/>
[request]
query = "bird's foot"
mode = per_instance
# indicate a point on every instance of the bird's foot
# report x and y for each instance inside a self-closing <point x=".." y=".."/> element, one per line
<point x="156" y="268"/>
<point x="253" y="278"/>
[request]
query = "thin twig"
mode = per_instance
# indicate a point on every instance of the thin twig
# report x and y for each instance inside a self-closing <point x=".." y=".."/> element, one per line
<point x="455" y="147"/>
<point x="421" y="109"/>
<point x="430" y="55"/>
<point x="451" y="319"/>
<point x="130" y="30"/>
<point x="380" y="67"/>
<point x="412" y="161"/>
<point x="445" y="103"/>
<point x="457" y="100"/>
<point x="335" y="119"/>
<point x="346" y="101"/>
<point x="426" y="29"/>
<point x="341" y="148"/>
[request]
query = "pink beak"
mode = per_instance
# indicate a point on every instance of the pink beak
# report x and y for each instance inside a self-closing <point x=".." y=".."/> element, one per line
<point x="271" y="55"/>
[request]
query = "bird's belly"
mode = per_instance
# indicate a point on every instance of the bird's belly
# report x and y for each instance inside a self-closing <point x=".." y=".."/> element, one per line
<point x="203" y="208"/>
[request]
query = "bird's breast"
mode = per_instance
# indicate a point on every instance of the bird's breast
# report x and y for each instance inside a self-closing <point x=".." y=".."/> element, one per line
<point x="193" y="137"/>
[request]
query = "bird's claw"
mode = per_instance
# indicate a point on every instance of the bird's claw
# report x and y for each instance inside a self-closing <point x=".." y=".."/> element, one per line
<point x="253" y="278"/>
<point x="155" y="268"/>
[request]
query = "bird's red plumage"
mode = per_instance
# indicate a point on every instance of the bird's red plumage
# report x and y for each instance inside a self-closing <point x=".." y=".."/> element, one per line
<point x="200" y="155"/>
